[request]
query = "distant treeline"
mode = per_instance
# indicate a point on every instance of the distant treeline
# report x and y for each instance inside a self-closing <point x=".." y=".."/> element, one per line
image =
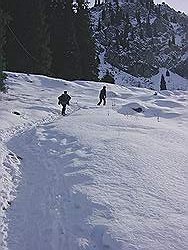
<point x="51" y="37"/>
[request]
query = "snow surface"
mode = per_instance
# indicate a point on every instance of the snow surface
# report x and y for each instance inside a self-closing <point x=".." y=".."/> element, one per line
<point x="103" y="177"/>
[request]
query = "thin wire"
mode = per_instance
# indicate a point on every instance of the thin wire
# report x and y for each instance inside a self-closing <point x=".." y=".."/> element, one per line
<point x="21" y="44"/>
<point x="26" y="51"/>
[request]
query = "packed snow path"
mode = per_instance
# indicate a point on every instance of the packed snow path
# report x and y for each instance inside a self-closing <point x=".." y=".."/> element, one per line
<point x="102" y="177"/>
<point x="135" y="188"/>
<point x="43" y="212"/>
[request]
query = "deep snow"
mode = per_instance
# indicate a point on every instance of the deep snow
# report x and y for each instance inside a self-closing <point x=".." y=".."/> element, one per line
<point x="100" y="178"/>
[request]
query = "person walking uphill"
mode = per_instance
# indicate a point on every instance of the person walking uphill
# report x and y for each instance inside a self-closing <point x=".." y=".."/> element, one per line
<point x="64" y="100"/>
<point x="102" y="96"/>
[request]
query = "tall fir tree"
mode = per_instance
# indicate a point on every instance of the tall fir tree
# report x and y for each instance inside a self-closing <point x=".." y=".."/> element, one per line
<point x="88" y="60"/>
<point x="108" y="77"/>
<point x="27" y="37"/>
<point x="163" y="83"/>
<point x="167" y="73"/>
<point x="65" y="49"/>
<point x="40" y="40"/>
<point x="3" y="21"/>
<point x="1" y="49"/>
<point x="19" y="36"/>
<point x="71" y="53"/>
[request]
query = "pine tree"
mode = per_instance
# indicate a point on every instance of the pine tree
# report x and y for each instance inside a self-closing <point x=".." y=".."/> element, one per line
<point x="27" y="37"/>
<point x="141" y="34"/>
<point x="3" y="21"/>
<point x="103" y="15"/>
<point x="138" y="18"/>
<point x="65" y="50"/>
<point x="152" y="5"/>
<point x="127" y="25"/>
<point x="9" y="7"/>
<point x="163" y="83"/>
<point x="167" y="73"/>
<point x="40" y="46"/>
<point x="118" y="15"/>
<point x="88" y="61"/>
<point x="173" y="40"/>
<point x="108" y="77"/>
<point x="99" y="25"/>
<point x="19" y="36"/>
<point x="158" y="10"/>
<point x="165" y="16"/>
<point x="148" y="27"/>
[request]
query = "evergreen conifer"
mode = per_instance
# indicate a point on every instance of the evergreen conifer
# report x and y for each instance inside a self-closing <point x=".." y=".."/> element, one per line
<point x="163" y="83"/>
<point x="27" y="37"/>
<point x="108" y="77"/>
<point x="3" y="20"/>
<point x="167" y="73"/>
<point x="88" y="58"/>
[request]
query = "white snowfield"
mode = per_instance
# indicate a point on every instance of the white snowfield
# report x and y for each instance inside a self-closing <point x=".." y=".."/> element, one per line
<point x="100" y="178"/>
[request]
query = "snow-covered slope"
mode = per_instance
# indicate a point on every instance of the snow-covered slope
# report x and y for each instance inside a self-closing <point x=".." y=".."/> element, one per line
<point x="101" y="177"/>
<point x="139" y="37"/>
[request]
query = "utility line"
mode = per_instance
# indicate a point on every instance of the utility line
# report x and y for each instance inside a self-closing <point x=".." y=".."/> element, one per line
<point x="21" y="44"/>
<point x="25" y="50"/>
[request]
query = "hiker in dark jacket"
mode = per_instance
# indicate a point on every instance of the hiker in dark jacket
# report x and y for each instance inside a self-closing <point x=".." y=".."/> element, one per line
<point x="64" y="100"/>
<point x="102" y="96"/>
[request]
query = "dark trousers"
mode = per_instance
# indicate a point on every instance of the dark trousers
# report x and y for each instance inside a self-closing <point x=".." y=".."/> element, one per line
<point x="102" y="99"/>
<point x="63" y="109"/>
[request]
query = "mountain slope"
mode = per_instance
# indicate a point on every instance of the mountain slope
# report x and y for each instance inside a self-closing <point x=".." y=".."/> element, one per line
<point x="139" y="37"/>
<point x="100" y="178"/>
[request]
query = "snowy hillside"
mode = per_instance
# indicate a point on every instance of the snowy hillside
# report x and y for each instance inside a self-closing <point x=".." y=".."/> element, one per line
<point x="139" y="37"/>
<point x="103" y="177"/>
